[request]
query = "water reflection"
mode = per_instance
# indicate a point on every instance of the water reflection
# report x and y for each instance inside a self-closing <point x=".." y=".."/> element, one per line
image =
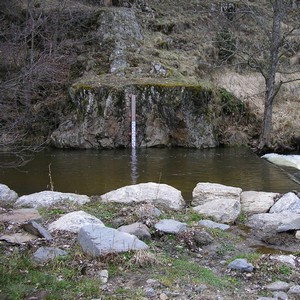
<point x="134" y="173"/>
<point x="97" y="172"/>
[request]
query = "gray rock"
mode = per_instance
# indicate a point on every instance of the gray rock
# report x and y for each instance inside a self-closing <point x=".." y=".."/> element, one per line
<point x="19" y="216"/>
<point x="289" y="260"/>
<point x="294" y="290"/>
<point x="73" y="221"/>
<point x="170" y="226"/>
<point x="220" y="210"/>
<point x="278" y="286"/>
<point x="155" y="193"/>
<point x="257" y="202"/>
<point x="103" y="276"/>
<point x="207" y="192"/>
<point x="97" y="240"/>
<point x="240" y="264"/>
<point x="36" y="229"/>
<point x="18" y="238"/>
<point x="140" y="230"/>
<point x="49" y="198"/>
<point x="289" y="203"/>
<point x="7" y="196"/>
<point x="147" y="210"/>
<point x="202" y="238"/>
<point x="276" y="222"/>
<point x="280" y="295"/>
<point x="45" y="254"/>
<point x="212" y="224"/>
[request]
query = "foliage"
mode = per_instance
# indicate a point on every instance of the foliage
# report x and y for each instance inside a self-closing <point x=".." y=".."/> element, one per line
<point x="226" y="44"/>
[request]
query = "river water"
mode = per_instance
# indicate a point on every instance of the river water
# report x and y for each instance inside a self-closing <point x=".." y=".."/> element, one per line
<point x="94" y="172"/>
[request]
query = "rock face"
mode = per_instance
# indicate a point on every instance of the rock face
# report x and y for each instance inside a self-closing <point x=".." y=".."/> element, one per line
<point x="158" y="194"/>
<point x="167" y="115"/>
<point x="7" y="196"/>
<point x="257" y="202"/>
<point x="49" y="198"/>
<point x="97" y="240"/>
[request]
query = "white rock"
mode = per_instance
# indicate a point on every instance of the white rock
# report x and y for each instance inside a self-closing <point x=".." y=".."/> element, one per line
<point x="294" y="290"/>
<point x="206" y="192"/>
<point x="155" y="193"/>
<point x="221" y="210"/>
<point x="297" y="235"/>
<point x="49" y="198"/>
<point x="7" y="196"/>
<point x="289" y="202"/>
<point x="73" y="221"/>
<point x="257" y="202"/>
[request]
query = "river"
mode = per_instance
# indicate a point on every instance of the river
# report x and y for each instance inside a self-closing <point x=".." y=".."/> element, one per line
<point x="93" y="172"/>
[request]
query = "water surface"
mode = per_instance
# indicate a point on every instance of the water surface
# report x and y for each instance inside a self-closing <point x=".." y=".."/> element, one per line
<point x="94" y="172"/>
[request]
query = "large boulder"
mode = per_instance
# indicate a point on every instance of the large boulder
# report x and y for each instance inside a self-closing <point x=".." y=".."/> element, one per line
<point x="220" y="210"/>
<point x="73" y="221"/>
<point x="289" y="203"/>
<point x="97" y="240"/>
<point x="207" y="192"/>
<point x="7" y="196"/>
<point x="156" y="193"/>
<point x="275" y="222"/>
<point x="49" y="198"/>
<point x="257" y="202"/>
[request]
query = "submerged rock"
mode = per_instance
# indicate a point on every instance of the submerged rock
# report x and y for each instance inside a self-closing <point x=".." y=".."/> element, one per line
<point x="159" y="194"/>
<point x="49" y="198"/>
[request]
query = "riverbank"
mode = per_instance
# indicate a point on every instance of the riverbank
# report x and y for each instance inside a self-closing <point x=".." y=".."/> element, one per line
<point x="191" y="264"/>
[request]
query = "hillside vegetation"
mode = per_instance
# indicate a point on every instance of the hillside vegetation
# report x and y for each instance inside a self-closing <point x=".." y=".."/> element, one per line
<point x="45" y="46"/>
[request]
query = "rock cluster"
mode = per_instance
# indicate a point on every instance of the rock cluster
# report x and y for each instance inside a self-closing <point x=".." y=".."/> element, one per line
<point x="221" y="206"/>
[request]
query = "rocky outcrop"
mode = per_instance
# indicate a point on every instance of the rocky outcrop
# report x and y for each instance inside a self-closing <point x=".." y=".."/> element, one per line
<point x="166" y="115"/>
<point x="158" y="194"/>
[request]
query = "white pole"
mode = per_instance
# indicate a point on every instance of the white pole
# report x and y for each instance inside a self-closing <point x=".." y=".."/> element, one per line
<point x="133" y="121"/>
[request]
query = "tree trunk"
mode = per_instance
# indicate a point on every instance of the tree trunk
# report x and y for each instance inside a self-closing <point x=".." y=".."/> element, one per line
<point x="275" y="42"/>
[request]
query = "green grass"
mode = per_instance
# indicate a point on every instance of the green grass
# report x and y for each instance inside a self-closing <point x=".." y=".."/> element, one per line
<point x="183" y="271"/>
<point x="20" y="278"/>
